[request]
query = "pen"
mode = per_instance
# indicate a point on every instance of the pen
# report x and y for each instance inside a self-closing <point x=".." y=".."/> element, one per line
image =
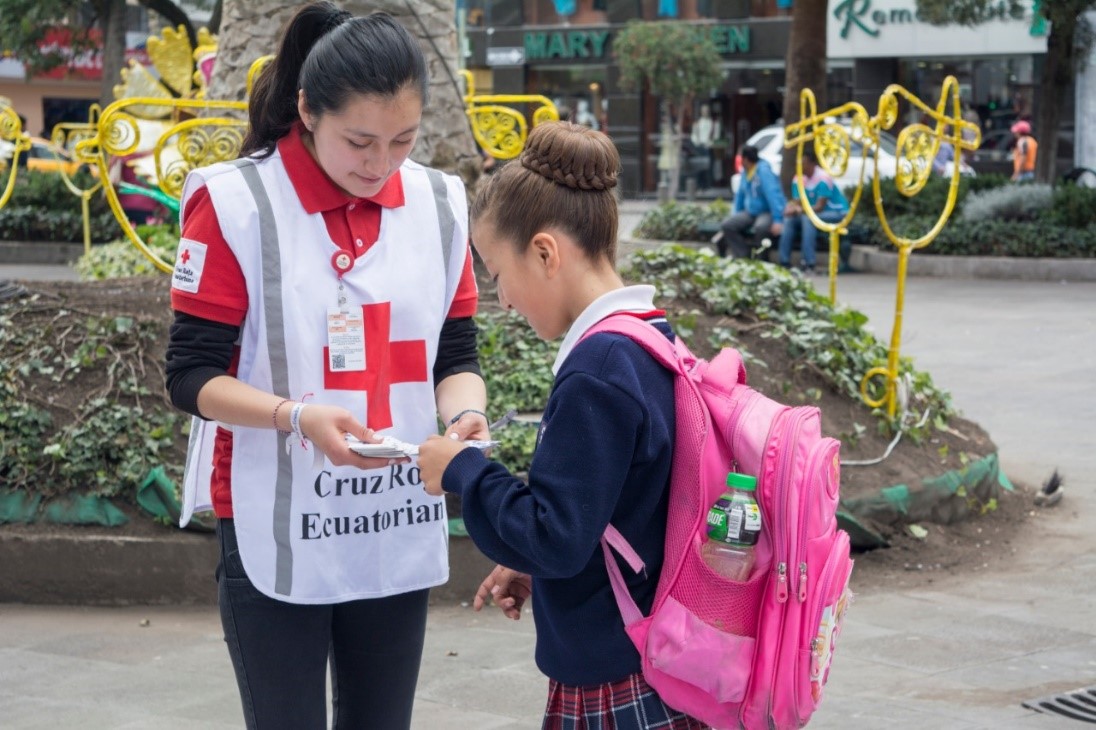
<point x="503" y="421"/>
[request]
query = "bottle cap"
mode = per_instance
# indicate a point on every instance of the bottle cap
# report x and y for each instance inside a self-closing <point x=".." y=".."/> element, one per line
<point x="744" y="482"/>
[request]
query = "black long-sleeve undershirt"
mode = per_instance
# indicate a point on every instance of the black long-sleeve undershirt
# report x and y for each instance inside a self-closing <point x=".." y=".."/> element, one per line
<point x="200" y="349"/>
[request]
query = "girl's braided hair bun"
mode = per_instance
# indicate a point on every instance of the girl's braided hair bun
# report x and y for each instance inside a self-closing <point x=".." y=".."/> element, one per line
<point x="571" y="155"/>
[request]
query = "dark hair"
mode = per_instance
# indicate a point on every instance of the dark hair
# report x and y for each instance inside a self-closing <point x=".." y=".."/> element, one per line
<point x="330" y="55"/>
<point x="749" y="153"/>
<point x="565" y="180"/>
<point x="810" y="154"/>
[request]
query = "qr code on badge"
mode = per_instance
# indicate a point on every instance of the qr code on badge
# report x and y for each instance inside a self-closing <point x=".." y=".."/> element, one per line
<point x="338" y="361"/>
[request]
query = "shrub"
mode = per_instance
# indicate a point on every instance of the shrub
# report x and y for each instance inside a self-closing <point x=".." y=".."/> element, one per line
<point x="1073" y="206"/>
<point x="931" y="199"/>
<point x="41" y="208"/>
<point x="523" y="385"/>
<point x="679" y="221"/>
<point x="121" y="258"/>
<point x="1009" y="203"/>
<point x="991" y="238"/>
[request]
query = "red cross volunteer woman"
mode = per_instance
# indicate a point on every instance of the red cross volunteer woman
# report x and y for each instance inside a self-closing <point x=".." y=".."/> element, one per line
<point x="323" y="289"/>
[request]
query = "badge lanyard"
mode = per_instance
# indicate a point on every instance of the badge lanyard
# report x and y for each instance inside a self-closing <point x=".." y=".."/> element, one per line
<point x="345" y="326"/>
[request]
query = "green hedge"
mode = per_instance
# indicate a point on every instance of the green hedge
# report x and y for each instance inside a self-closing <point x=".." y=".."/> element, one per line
<point x="679" y="221"/>
<point x="1064" y="228"/>
<point x="990" y="238"/>
<point x="42" y="208"/>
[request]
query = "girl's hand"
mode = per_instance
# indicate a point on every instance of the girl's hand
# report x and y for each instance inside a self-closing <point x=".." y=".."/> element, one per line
<point x="507" y="588"/>
<point x="434" y="456"/>
<point x="326" y="427"/>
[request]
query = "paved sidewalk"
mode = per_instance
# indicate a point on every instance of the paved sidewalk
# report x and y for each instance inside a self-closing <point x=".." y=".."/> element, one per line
<point x="960" y="653"/>
<point x="38" y="272"/>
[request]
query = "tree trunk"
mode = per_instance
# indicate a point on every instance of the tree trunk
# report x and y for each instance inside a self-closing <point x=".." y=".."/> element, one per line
<point x="805" y="67"/>
<point x="249" y="29"/>
<point x="113" y="22"/>
<point x="1057" y="78"/>
<point x="252" y="28"/>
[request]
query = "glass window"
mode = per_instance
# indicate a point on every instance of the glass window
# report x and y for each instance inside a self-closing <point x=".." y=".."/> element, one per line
<point x="577" y="91"/>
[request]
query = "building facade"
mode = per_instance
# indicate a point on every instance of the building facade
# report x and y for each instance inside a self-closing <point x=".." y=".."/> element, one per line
<point x="562" y="49"/>
<point x="998" y="64"/>
<point x="66" y="93"/>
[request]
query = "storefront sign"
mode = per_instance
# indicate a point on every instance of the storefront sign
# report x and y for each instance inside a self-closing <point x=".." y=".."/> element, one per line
<point x="894" y="28"/>
<point x="595" y="44"/>
<point x="506" y="56"/>
<point x="568" y="44"/>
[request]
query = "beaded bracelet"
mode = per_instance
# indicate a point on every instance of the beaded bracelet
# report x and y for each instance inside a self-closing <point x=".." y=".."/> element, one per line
<point x="460" y="415"/>
<point x="275" y="416"/>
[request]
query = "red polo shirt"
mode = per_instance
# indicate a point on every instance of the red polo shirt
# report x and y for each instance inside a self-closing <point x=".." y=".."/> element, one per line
<point x="353" y="224"/>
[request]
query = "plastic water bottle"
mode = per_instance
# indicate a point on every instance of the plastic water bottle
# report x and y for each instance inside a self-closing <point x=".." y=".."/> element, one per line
<point x="734" y="526"/>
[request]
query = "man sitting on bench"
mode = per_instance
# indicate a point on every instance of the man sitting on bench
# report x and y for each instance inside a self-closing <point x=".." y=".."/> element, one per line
<point x="829" y="205"/>
<point x="758" y="207"/>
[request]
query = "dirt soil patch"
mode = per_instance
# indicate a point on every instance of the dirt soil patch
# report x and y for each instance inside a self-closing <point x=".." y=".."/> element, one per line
<point x="979" y="542"/>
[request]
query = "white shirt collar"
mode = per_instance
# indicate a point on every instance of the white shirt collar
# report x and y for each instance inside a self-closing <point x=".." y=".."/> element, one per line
<point x="639" y="298"/>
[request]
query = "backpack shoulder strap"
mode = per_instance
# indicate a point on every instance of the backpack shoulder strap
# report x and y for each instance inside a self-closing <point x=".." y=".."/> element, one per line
<point x="673" y="356"/>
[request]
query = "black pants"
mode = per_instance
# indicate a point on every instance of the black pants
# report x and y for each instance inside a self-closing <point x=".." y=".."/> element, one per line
<point x="739" y="229"/>
<point x="281" y="651"/>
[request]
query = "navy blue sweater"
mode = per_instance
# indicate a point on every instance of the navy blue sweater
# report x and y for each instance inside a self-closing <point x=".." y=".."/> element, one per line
<point x="603" y="454"/>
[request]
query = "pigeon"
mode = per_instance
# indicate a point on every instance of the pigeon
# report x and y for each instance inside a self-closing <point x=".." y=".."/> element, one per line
<point x="1051" y="492"/>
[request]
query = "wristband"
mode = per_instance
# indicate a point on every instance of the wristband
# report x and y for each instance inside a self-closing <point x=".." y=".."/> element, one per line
<point x="466" y="411"/>
<point x="274" y="418"/>
<point x="295" y="421"/>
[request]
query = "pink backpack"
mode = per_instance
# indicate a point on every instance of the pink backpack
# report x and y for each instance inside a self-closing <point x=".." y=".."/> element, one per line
<point x="739" y="655"/>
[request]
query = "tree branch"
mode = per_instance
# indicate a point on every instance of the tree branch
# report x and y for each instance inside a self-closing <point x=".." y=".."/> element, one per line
<point x="174" y="15"/>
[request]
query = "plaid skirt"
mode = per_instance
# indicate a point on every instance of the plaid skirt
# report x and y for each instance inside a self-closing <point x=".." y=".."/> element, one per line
<point x="629" y="704"/>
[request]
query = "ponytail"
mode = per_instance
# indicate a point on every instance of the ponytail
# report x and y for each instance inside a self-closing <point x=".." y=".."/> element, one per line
<point x="330" y="55"/>
<point x="272" y="109"/>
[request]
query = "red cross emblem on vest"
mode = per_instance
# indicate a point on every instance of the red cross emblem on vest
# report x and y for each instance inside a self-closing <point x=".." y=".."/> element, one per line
<point x="386" y="364"/>
<point x="186" y="255"/>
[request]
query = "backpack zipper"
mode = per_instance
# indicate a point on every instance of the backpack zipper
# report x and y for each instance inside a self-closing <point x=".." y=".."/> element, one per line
<point x="782" y="500"/>
<point x="801" y="551"/>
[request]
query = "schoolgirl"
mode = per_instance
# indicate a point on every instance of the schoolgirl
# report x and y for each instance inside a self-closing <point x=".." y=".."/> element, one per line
<point x="546" y="229"/>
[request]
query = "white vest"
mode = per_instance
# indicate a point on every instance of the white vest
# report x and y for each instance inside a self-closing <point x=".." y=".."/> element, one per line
<point x="332" y="534"/>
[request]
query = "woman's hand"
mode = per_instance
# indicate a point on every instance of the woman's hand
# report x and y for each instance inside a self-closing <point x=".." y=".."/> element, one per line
<point x="326" y="427"/>
<point x="507" y="588"/>
<point x="471" y="427"/>
<point x="434" y="456"/>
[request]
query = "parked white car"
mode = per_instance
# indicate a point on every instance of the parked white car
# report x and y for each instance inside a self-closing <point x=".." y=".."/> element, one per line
<point x="769" y="142"/>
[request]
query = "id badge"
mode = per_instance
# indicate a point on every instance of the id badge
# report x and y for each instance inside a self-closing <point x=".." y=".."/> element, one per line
<point x="345" y="340"/>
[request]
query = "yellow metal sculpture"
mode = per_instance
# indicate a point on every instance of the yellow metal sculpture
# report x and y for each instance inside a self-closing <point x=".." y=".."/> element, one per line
<point x="918" y="146"/>
<point x="501" y="130"/>
<point x="68" y="136"/>
<point x="185" y="129"/>
<point x="11" y="133"/>
<point x="832" y="145"/>
<point x="190" y="130"/>
<point x="195" y="141"/>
